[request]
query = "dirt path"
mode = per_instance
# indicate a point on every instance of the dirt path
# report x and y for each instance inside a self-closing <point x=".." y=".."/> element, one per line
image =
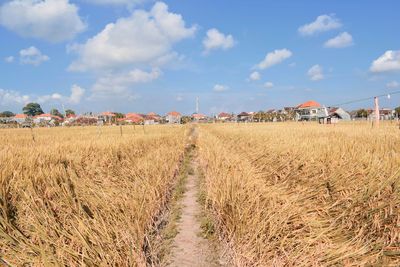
<point x="189" y="247"/>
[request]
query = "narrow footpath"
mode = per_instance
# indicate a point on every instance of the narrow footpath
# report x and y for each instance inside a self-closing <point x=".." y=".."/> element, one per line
<point x="189" y="248"/>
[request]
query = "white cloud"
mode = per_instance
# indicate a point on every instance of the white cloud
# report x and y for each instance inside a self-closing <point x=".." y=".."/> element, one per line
<point x="32" y="56"/>
<point x="342" y="40"/>
<point x="389" y="61"/>
<point x="315" y="73"/>
<point x="255" y="76"/>
<point x="268" y="85"/>
<point x="220" y="88"/>
<point x="50" y="20"/>
<point x="77" y="93"/>
<point x="392" y="84"/>
<point x="217" y="40"/>
<point x="274" y="58"/>
<point x="13" y="97"/>
<point x="117" y="83"/>
<point x="321" y="24"/>
<point x="293" y="64"/>
<point x="129" y="3"/>
<point x="179" y="98"/>
<point x="9" y="59"/>
<point x="142" y="38"/>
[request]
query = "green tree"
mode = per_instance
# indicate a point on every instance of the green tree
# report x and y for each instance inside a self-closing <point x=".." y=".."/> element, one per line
<point x="7" y="114"/>
<point x="69" y="112"/>
<point x="32" y="109"/>
<point x="397" y="110"/>
<point x="55" y="112"/>
<point x="119" y="115"/>
<point x="362" y="113"/>
<point x="186" y="119"/>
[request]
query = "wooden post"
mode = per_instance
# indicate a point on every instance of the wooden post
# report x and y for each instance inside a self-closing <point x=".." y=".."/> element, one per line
<point x="377" y="115"/>
<point x="33" y="136"/>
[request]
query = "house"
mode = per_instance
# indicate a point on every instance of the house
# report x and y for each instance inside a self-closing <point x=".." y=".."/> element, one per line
<point x="133" y="118"/>
<point x="173" y="117"/>
<point x="384" y="114"/>
<point x="339" y="114"/>
<point x="20" y="118"/>
<point x="310" y="110"/>
<point x="107" y="117"/>
<point x="46" y="118"/>
<point x="197" y="117"/>
<point x="244" y="116"/>
<point x="223" y="116"/>
<point x="151" y="118"/>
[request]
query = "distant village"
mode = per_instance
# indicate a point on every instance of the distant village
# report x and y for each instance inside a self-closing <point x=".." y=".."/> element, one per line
<point x="309" y="111"/>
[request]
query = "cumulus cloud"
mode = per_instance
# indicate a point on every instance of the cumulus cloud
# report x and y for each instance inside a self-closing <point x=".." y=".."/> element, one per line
<point x="32" y="56"/>
<point x="274" y="58"/>
<point x="77" y="93"/>
<point x="9" y="59"/>
<point x="342" y="40"/>
<point x="129" y="3"/>
<point x="255" y="76"/>
<point x="142" y="38"/>
<point x="13" y="97"/>
<point x="392" y="84"/>
<point x="268" y="85"/>
<point x="50" y="20"/>
<point x="117" y="83"/>
<point x="315" y="73"/>
<point x="220" y="88"/>
<point x="217" y="40"/>
<point x="322" y="23"/>
<point x="389" y="61"/>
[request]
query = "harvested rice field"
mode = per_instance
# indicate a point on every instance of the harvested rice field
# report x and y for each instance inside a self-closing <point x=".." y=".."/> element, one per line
<point x="275" y="194"/>
<point x="305" y="194"/>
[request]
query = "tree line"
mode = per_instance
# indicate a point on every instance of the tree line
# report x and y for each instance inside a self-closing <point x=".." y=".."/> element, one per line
<point x="34" y="109"/>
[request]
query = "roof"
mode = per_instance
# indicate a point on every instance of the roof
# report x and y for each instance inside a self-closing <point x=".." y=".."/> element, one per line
<point x="243" y="114"/>
<point x="153" y="114"/>
<point x="224" y="114"/>
<point x="45" y="115"/>
<point x="69" y="116"/>
<point x="131" y="114"/>
<point x="309" y="104"/>
<point x="20" y="116"/>
<point x="107" y="113"/>
<point x="198" y="116"/>
<point x="174" y="113"/>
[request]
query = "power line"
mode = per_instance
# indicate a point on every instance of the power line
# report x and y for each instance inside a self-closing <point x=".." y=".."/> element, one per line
<point x="365" y="99"/>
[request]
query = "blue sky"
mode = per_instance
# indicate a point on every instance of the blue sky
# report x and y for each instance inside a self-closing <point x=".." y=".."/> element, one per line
<point x="142" y="56"/>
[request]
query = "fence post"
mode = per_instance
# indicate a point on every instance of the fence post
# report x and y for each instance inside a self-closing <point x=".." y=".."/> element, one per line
<point x="377" y="115"/>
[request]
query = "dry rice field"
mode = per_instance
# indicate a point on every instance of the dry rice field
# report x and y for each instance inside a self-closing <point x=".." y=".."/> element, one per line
<point x="305" y="194"/>
<point x="80" y="197"/>
<point x="280" y="194"/>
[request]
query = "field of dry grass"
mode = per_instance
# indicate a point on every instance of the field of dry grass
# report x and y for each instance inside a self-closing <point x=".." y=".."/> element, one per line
<point x="293" y="194"/>
<point x="77" y="196"/>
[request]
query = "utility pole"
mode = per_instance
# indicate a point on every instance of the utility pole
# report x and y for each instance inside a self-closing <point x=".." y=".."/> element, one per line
<point x="377" y="116"/>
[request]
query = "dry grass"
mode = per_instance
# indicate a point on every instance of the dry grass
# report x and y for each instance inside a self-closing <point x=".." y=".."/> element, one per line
<point x="80" y="197"/>
<point x="305" y="194"/>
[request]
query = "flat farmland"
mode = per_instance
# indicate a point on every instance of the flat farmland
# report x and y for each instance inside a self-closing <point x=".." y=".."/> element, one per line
<point x="84" y="195"/>
<point x="294" y="194"/>
<point x="268" y="194"/>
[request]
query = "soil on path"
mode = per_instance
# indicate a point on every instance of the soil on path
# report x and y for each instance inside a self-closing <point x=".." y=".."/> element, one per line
<point x="189" y="247"/>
